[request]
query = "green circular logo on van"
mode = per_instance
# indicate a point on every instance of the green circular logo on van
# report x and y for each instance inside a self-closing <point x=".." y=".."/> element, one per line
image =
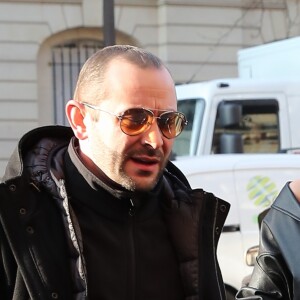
<point x="262" y="191"/>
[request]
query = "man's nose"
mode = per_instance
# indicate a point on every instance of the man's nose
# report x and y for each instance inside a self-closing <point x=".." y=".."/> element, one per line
<point x="153" y="136"/>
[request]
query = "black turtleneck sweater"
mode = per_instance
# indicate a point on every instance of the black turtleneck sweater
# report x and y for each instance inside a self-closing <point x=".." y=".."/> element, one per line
<point x="126" y="245"/>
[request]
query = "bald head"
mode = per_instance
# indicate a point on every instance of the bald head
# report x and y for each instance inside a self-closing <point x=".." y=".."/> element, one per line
<point x="90" y="85"/>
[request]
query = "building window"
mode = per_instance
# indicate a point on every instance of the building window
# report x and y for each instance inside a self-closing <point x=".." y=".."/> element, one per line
<point x="67" y="60"/>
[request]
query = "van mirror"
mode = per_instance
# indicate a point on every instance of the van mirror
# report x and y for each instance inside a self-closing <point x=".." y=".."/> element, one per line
<point x="230" y="114"/>
<point x="231" y="143"/>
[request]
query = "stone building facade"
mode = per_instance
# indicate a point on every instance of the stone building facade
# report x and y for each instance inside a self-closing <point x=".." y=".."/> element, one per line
<point x="44" y="43"/>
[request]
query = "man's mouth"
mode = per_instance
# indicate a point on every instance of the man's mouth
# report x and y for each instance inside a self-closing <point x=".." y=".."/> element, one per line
<point x="146" y="160"/>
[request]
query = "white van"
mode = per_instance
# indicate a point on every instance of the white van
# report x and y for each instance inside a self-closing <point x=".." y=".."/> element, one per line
<point x="240" y="144"/>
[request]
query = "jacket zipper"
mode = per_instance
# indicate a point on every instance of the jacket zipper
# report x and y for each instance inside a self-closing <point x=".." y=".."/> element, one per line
<point x="132" y="285"/>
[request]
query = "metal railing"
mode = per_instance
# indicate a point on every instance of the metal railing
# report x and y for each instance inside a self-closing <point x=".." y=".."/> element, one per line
<point x="67" y="60"/>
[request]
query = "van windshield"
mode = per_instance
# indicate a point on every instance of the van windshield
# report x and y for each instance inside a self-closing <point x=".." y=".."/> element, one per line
<point x="186" y="143"/>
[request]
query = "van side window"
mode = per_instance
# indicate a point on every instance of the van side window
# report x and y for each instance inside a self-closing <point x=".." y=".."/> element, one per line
<point x="246" y="126"/>
<point x="187" y="142"/>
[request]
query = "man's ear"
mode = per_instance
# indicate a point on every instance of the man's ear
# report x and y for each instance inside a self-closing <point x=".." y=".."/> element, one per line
<point x="75" y="115"/>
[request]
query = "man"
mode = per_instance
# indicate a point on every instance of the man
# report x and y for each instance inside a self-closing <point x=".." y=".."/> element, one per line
<point x="276" y="274"/>
<point x="99" y="212"/>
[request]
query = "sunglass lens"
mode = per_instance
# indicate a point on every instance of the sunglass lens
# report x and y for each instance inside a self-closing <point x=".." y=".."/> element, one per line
<point x="135" y="120"/>
<point x="171" y="124"/>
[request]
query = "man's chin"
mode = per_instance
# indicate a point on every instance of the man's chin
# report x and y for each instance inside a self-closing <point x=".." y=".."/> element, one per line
<point x="144" y="185"/>
<point x="141" y="180"/>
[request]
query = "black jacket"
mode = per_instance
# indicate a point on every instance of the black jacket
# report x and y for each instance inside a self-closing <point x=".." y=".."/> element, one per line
<point x="276" y="274"/>
<point x="40" y="241"/>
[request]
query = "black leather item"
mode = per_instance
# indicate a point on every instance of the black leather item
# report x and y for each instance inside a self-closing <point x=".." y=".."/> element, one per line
<point x="276" y="274"/>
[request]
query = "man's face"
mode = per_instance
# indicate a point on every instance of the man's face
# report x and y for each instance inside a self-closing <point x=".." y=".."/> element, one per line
<point x="135" y="162"/>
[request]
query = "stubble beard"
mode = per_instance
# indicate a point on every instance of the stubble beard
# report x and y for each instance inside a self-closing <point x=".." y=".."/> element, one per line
<point x="112" y="163"/>
<point x="125" y="180"/>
